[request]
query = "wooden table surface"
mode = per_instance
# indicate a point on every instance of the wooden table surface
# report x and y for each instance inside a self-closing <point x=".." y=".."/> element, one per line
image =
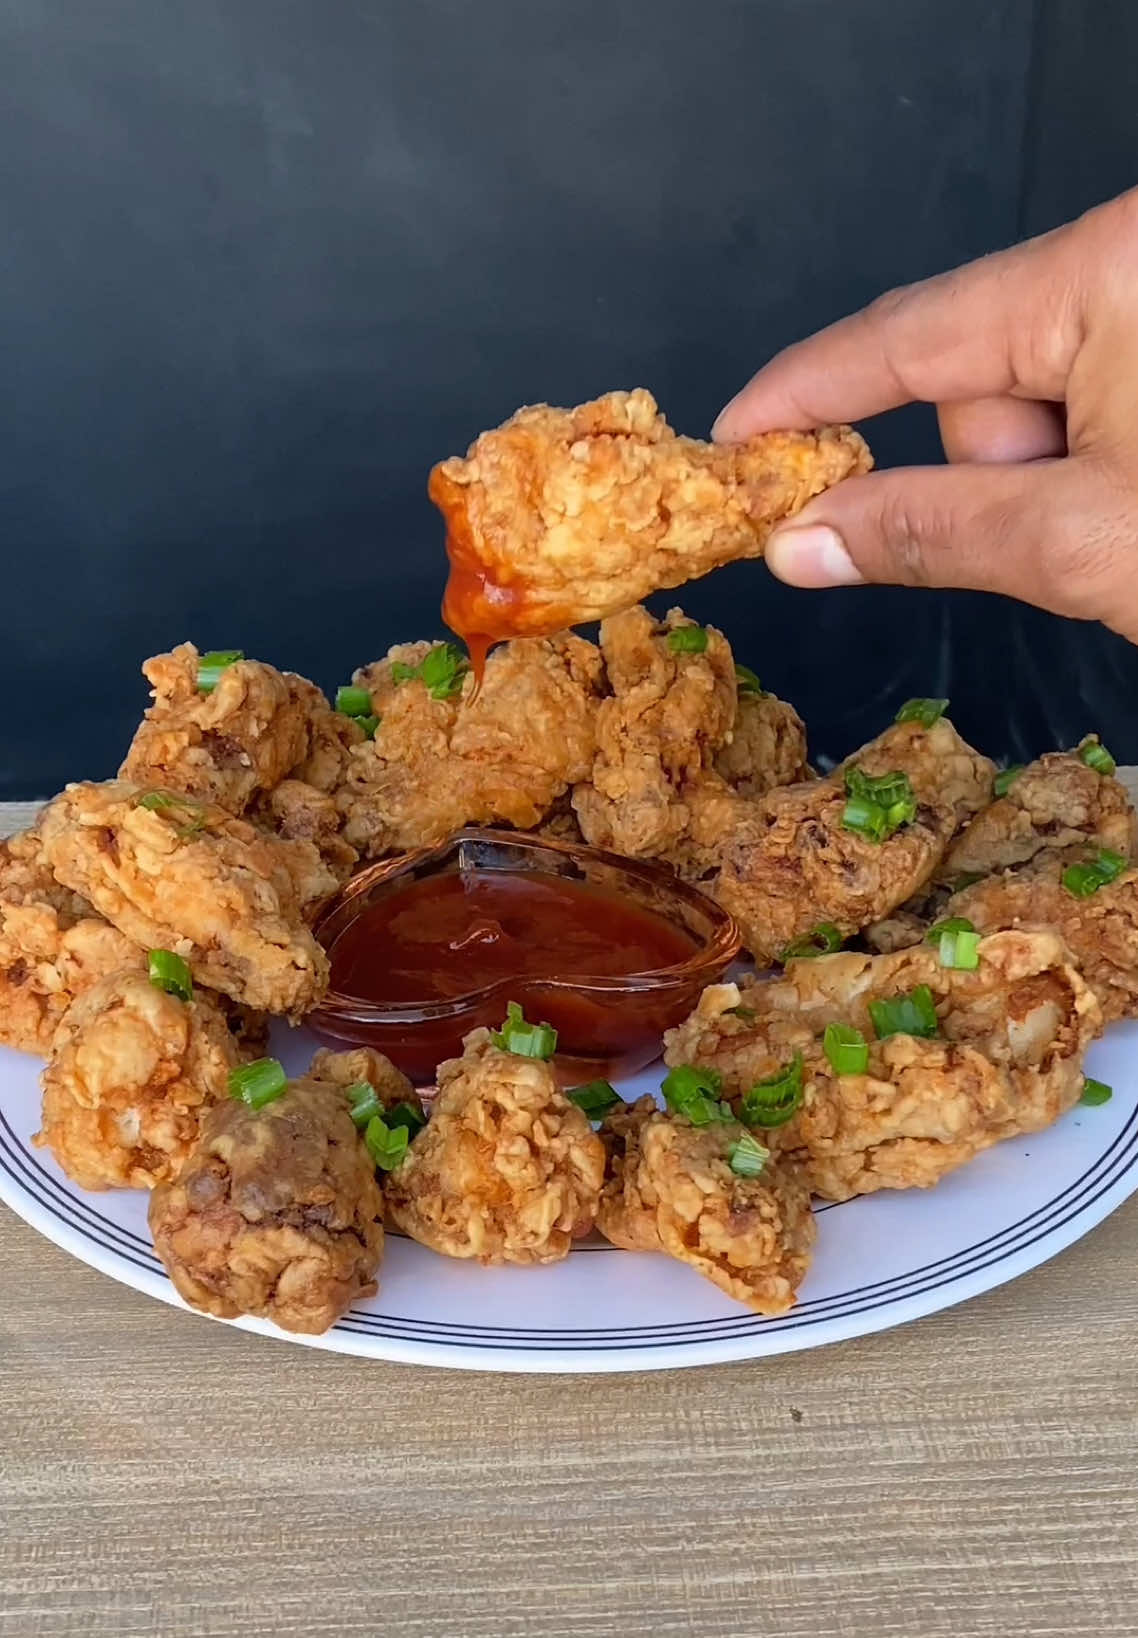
<point x="974" y="1473"/>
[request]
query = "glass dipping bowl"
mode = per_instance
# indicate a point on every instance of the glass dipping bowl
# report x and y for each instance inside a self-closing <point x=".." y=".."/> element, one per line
<point x="607" y="1026"/>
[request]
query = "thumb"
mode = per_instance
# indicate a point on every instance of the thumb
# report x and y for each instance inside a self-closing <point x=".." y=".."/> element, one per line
<point x="1054" y="533"/>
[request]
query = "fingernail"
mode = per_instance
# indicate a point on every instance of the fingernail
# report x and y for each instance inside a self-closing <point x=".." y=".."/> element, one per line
<point x="812" y="555"/>
<point x="719" y="429"/>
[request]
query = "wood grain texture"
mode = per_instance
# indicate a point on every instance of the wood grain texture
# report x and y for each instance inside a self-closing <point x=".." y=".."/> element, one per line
<point x="970" y="1475"/>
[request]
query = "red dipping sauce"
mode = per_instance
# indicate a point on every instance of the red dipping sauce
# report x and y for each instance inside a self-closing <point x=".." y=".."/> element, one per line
<point x="425" y="948"/>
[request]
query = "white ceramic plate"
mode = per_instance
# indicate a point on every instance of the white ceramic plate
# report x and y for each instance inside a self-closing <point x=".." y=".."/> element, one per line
<point x="880" y="1261"/>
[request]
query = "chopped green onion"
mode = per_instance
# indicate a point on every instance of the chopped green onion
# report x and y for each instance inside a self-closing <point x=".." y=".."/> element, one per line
<point x="926" y="712"/>
<point x="1096" y="756"/>
<point x="960" y="950"/>
<point x="352" y="701"/>
<point x="211" y="665"/>
<point x="950" y="924"/>
<point x="687" y="640"/>
<point x="386" y="1144"/>
<point x="258" y="1083"/>
<point x="409" y="1115"/>
<point x="401" y="672"/>
<point x="595" y="1098"/>
<point x="369" y="724"/>
<point x="747" y="1014"/>
<point x="364" y="1101"/>
<point x="1095" y="1092"/>
<point x="747" y="1157"/>
<point x="774" y="1101"/>
<point x="821" y="940"/>
<point x="1007" y="777"/>
<point x="441" y="671"/>
<point x="846" y="1048"/>
<point x="867" y="818"/>
<point x="159" y="801"/>
<point x="913" y="1014"/>
<point x="746" y="681"/>
<point x="694" y="1092"/>
<point x="1084" y="879"/>
<point x="169" y="972"/>
<point x="877" y="806"/>
<point x="522" y="1039"/>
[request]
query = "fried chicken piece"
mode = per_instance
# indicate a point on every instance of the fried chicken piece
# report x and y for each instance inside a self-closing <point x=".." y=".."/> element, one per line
<point x="1101" y="930"/>
<point x="131" y="1073"/>
<point x="172" y="873"/>
<point x="1057" y="801"/>
<point x="298" y="811"/>
<point x="1007" y="1059"/>
<point x="766" y="747"/>
<point x="788" y="863"/>
<point x="276" y="1211"/>
<point x="908" y="924"/>
<point x="671" y="1188"/>
<point x="53" y="946"/>
<point x="345" y="1069"/>
<point x="562" y="516"/>
<point x="507" y="1169"/>
<point x="502" y="754"/>
<point x="332" y="737"/>
<point x="656" y="736"/>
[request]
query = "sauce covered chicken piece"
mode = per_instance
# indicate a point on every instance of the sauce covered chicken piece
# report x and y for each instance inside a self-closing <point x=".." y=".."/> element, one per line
<point x="506" y="1171"/>
<point x="174" y="873"/>
<point x="671" y="1187"/>
<point x="848" y="849"/>
<point x="132" y="1071"/>
<point x="276" y="1212"/>
<point x="923" y="1067"/>
<point x="563" y="516"/>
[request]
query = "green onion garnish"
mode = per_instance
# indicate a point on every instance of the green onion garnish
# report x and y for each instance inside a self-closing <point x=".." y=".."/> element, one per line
<point x="821" y="940"/>
<point x="960" y="951"/>
<point x="694" y="1092"/>
<point x="774" y="1101"/>
<point x="688" y="640"/>
<point x="258" y="1083"/>
<point x="401" y="672"/>
<point x="522" y="1039"/>
<point x="846" y="1048"/>
<point x="408" y="1115"/>
<point x="1007" y="777"/>
<point x="1095" y="1092"/>
<point x="746" y="681"/>
<point x="747" y="1014"/>
<point x="364" y="1102"/>
<point x="913" y="1014"/>
<point x="169" y="972"/>
<point x="386" y="1144"/>
<point x="1096" y="756"/>
<point x="352" y="701"/>
<point x="369" y="724"/>
<point x="211" y="665"/>
<point x="441" y="671"/>
<point x="1084" y="879"/>
<point x="594" y="1099"/>
<point x="926" y="712"/>
<point x="877" y="806"/>
<point x="159" y="801"/>
<point x="950" y="924"/>
<point x="747" y="1157"/>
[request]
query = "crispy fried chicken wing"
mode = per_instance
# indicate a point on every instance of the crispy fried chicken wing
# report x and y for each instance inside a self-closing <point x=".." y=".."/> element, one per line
<point x="276" y="1211"/>
<point x="1007" y="1058"/>
<point x="788" y="862"/>
<point x="671" y="1188"/>
<point x="1100" y="930"/>
<point x="173" y="873"/>
<point x="131" y="1073"/>
<point x="507" y="1169"/>
<point x="562" y="516"/>
<point x="1057" y="801"/>
<point x="53" y="946"/>
<point x="298" y="811"/>
<point x="502" y="754"/>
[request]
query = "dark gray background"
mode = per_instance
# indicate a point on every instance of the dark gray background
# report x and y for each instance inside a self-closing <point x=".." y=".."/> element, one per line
<point x="263" y="261"/>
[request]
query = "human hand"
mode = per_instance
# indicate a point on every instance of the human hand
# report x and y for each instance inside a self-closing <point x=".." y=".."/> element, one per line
<point x="1031" y="357"/>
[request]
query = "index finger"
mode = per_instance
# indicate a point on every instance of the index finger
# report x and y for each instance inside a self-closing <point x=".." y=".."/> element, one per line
<point x="971" y="333"/>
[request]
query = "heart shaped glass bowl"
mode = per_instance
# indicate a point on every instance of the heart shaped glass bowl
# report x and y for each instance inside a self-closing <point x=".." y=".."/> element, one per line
<point x="607" y="1026"/>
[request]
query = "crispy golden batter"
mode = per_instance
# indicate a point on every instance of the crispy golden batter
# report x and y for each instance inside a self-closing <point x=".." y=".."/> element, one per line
<point x="507" y="1170"/>
<point x="671" y="1188"/>
<point x="503" y="754"/>
<point x="53" y="946"/>
<point x="188" y="877"/>
<point x="766" y="748"/>
<point x="276" y="1212"/>
<point x="1101" y="930"/>
<point x="346" y="1069"/>
<point x="131" y="1073"/>
<point x="1008" y="1058"/>
<point x="788" y="863"/>
<point x="1055" y="802"/>
<point x="298" y="811"/>
<point x="562" y="516"/>
<point x="656" y="736"/>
